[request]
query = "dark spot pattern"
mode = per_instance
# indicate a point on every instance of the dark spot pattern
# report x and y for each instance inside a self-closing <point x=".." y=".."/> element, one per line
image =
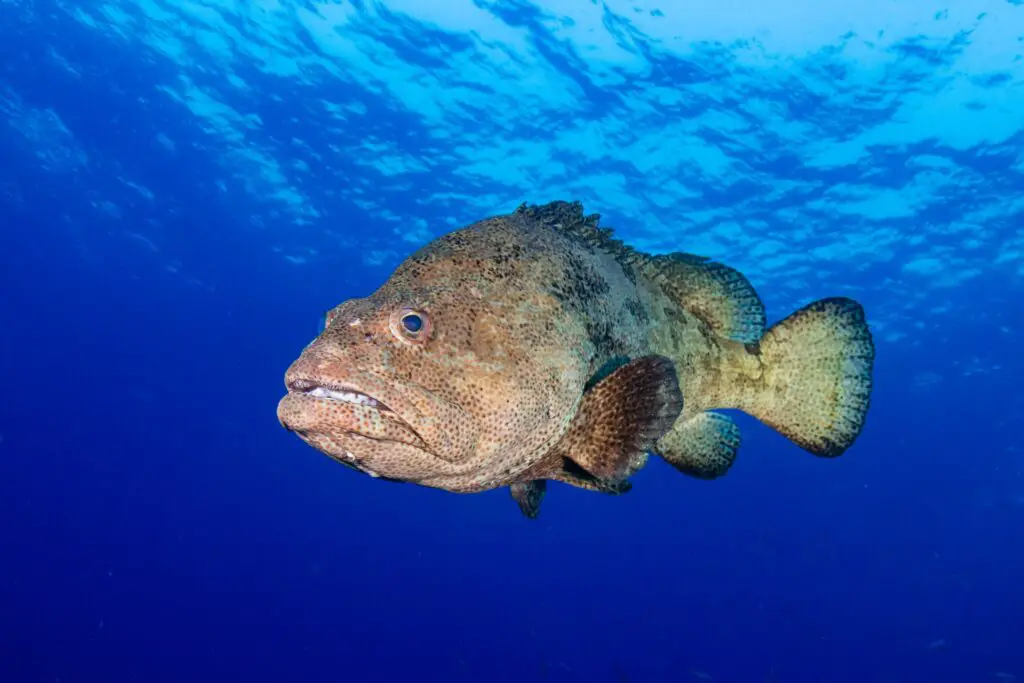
<point x="546" y="329"/>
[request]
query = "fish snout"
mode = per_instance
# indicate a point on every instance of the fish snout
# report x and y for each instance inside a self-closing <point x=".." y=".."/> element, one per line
<point x="299" y="375"/>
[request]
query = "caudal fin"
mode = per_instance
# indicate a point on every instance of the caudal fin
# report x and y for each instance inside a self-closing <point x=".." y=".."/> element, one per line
<point x="817" y="365"/>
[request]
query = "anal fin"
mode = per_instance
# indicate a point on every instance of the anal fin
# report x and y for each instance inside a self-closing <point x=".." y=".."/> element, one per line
<point x="621" y="417"/>
<point x="703" y="447"/>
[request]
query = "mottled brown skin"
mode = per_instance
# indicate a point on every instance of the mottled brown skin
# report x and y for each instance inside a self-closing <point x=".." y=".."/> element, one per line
<point x="522" y="317"/>
<point x="525" y="313"/>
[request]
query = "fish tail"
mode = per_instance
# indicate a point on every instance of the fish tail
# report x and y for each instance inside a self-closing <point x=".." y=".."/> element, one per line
<point x="817" y="376"/>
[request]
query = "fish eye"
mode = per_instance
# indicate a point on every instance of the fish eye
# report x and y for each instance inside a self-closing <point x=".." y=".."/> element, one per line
<point x="412" y="322"/>
<point x="411" y="326"/>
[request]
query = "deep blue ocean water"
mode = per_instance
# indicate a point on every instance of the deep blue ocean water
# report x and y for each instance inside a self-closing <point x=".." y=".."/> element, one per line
<point x="186" y="185"/>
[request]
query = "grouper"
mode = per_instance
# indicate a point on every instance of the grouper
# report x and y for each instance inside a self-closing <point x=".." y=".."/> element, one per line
<point x="536" y="346"/>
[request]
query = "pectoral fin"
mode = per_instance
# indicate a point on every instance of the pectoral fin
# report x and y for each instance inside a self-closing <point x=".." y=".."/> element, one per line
<point x="621" y="418"/>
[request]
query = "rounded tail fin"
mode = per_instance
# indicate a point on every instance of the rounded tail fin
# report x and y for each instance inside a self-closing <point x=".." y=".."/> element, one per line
<point x="817" y="378"/>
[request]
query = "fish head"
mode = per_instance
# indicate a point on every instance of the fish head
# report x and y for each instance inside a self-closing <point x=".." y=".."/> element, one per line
<point x="459" y="369"/>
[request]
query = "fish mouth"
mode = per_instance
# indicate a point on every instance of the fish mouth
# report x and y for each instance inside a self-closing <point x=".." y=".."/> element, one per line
<point x="336" y="392"/>
<point x="315" y="405"/>
<point x="351" y="426"/>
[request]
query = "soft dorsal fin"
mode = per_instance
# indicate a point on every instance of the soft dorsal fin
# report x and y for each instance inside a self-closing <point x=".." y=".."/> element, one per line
<point x="717" y="294"/>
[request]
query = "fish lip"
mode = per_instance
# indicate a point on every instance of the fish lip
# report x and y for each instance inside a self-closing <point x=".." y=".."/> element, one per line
<point x="310" y="386"/>
<point x="302" y="385"/>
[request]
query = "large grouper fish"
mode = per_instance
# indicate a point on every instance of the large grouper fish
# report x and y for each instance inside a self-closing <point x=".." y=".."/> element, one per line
<point x="535" y="346"/>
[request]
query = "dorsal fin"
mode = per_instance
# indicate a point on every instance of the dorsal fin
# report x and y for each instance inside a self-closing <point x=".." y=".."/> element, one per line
<point x="568" y="218"/>
<point x="717" y="294"/>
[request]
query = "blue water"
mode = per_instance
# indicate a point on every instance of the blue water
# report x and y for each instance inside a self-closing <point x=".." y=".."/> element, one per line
<point x="186" y="185"/>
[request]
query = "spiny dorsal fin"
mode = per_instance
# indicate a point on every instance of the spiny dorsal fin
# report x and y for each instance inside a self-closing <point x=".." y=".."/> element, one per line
<point x="568" y="218"/>
<point x="717" y="294"/>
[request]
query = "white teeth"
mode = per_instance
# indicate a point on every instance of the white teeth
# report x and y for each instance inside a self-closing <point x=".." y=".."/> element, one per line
<point x="346" y="396"/>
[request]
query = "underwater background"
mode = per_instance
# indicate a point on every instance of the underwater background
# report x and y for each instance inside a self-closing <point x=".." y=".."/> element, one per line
<point x="187" y="185"/>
